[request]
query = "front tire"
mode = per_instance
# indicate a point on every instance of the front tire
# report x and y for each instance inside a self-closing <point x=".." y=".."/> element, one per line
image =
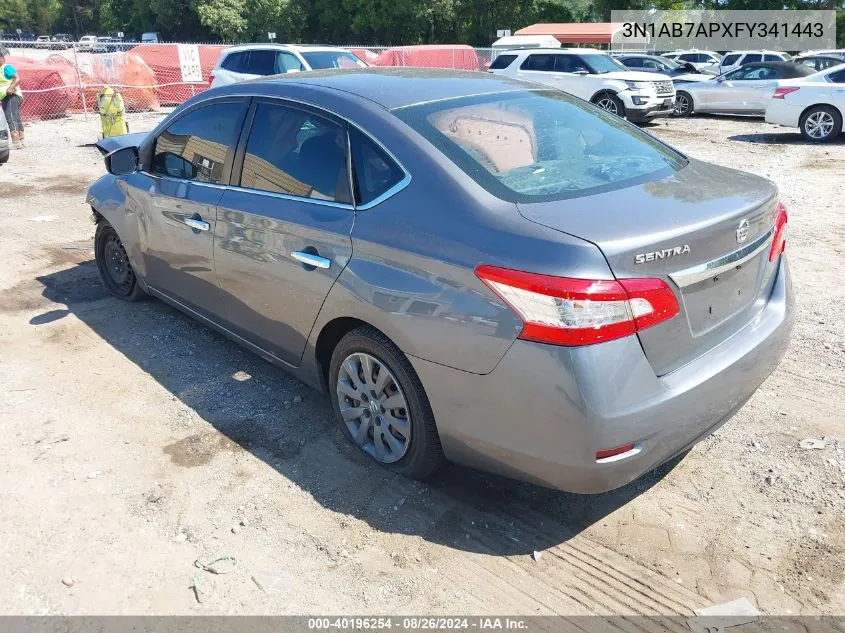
<point x="4" y="157"/>
<point x="381" y="405"/>
<point x="683" y="104"/>
<point x="113" y="264"/>
<point x="820" y="124"/>
<point x="611" y="103"/>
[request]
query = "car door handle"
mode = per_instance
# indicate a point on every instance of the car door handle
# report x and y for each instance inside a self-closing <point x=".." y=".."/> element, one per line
<point x="310" y="259"/>
<point x="199" y="225"/>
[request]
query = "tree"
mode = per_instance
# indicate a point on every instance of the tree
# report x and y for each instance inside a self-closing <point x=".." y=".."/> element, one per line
<point x="225" y="18"/>
<point x="14" y="14"/>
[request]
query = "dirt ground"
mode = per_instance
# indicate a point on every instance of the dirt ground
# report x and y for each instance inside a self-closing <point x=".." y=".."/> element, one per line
<point x="134" y="441"/>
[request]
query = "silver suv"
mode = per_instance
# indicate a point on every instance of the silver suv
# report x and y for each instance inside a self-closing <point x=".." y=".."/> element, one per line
<point x="593" y="76"/>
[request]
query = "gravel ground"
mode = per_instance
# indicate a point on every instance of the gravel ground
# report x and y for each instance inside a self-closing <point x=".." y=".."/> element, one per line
<point x="136" y="441"/>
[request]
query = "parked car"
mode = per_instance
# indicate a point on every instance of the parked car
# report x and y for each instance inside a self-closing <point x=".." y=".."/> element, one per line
<point x="594" y="76"/>
<point x="86" y="43"/>
<point x="745" y="90"/>
<point x="251" y="61"/>
<point x="430" y="246"/>
<point x="705" y="61"/>
<point x="678" y="72"/>
<point x="815" y="105"/>
<point x="5" y="140"/>
<point x="42" y="41"/>
<point x="151" y="37"/>
<point x="819" y="62"/>
<point x="736" y="59"/>
<point x="61" y="41"/>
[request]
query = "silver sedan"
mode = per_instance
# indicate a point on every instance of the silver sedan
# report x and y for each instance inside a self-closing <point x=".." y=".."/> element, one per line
<point x="745" y="90"/>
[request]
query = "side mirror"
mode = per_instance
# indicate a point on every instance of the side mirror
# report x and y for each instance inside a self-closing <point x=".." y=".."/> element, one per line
<point x="123" y="161"/>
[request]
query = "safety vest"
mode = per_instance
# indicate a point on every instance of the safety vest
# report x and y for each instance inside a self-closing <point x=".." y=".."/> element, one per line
<point x="5" y="83"/>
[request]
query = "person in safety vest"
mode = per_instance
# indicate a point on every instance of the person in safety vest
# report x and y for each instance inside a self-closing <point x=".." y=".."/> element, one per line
<point x="112" y="112"/>
<point x="12" y="97"/>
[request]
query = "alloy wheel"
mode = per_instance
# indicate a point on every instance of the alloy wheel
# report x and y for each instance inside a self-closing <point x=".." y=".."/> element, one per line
<point x="606" y="103"/>
<point x="819" y="124"/>
<point x="373" y="407"/>
<point x="681" y="105"/>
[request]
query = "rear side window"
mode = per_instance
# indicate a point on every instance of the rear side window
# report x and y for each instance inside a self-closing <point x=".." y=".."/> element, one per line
<point x="539" y="62"/>
<point x="297" y="153"/>
<point x="752" y="58"/>
<point x="196" y="146"/>
<point x="541" y="145"/>
<point x="634" y="62"/>
<point x="262" y="62"/>
<point x="772" y="58"/>
<point x="730" y="60"/>
<point x="235" y="62"/>
<point x="375" y="172"/>
<point x="502" y="62"/>
<point x="688" y="57"/>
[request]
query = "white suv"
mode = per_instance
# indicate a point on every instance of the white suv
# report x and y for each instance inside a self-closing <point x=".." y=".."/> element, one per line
<point x="251" y="61"/>
<point x="735" y="59"/>
<point x="594" y="76"/>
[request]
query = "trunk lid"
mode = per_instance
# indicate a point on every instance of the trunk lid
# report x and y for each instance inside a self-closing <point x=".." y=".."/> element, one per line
<point x="705" y="230"/>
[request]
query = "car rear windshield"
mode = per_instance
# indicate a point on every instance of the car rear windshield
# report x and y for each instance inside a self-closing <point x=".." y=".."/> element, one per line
<point x="543" y="145"/>
<point x="320" y="60"/>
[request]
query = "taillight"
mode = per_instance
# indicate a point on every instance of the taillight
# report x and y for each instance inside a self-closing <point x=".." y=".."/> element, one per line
<point x="780" y="93"/>
<point x="779" y="237"/>
<point x="567" y="311"/>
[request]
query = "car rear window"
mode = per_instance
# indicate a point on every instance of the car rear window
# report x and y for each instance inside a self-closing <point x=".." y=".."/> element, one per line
<point x="502" y="62"/>
<point x="535" y="146"/>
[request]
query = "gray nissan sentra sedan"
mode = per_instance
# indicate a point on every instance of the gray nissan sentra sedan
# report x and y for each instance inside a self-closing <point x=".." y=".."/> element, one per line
<point x="474" y="268"/>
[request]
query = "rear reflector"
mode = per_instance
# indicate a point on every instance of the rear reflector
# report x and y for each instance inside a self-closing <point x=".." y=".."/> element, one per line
<point x="613" y="452"/>
<point x="779" y="237"/>
<point x="567" y="311"/>
<point x="780" y="93"/>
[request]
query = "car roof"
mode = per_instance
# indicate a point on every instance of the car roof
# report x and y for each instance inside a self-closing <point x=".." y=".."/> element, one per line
<point x="789" y="69"/>
<point x="559" y="51"/>
<point x="397" y="87"/>
<point x="754" y="52"/>
<point x="283" y="47"/>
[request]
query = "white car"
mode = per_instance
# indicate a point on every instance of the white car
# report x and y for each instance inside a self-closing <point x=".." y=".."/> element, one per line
<point x="593" y="76"/>
<point x="87" y="42"/>
<point x="702" y="60"/>
<point x="735" y="59"/>
<point x="815" y="104"/>
<point x="5" y="141"/>
<point x="251" y="61"/>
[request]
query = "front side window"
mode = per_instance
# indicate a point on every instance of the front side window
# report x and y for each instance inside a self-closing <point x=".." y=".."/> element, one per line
<point x="636" y="62"/>
<point x="196" y="146"/>
<point x="375" y="172"/>
<point x="287" y="62"/>
<point x="534" y="146"/>
<point x="320" y="60"/>
<point x="752" y="58"/>
<point x="570" y="64"/>
<point x="600" y="64"/>
<point x="502" y="62"/>
<point x="730" y="60"/>
<point x="234" y="62"/>
<point x="297" y="153"/>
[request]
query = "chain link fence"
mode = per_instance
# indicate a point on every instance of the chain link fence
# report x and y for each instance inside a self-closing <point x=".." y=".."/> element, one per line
<point x="61" y="79"/>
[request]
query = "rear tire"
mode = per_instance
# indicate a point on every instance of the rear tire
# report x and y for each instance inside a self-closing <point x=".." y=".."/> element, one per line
<point x="4" y="157"/>
<point x="683" y="104"/>
<point x="381" y="405"/>
<point x="113" y="264"/>
<point x="820" y="124"/>
<point x="610" y="102"/>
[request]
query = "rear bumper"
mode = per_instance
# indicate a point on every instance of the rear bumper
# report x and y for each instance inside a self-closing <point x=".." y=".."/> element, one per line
<point x="779" y="112"/>
<point x="542" y="414"/>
